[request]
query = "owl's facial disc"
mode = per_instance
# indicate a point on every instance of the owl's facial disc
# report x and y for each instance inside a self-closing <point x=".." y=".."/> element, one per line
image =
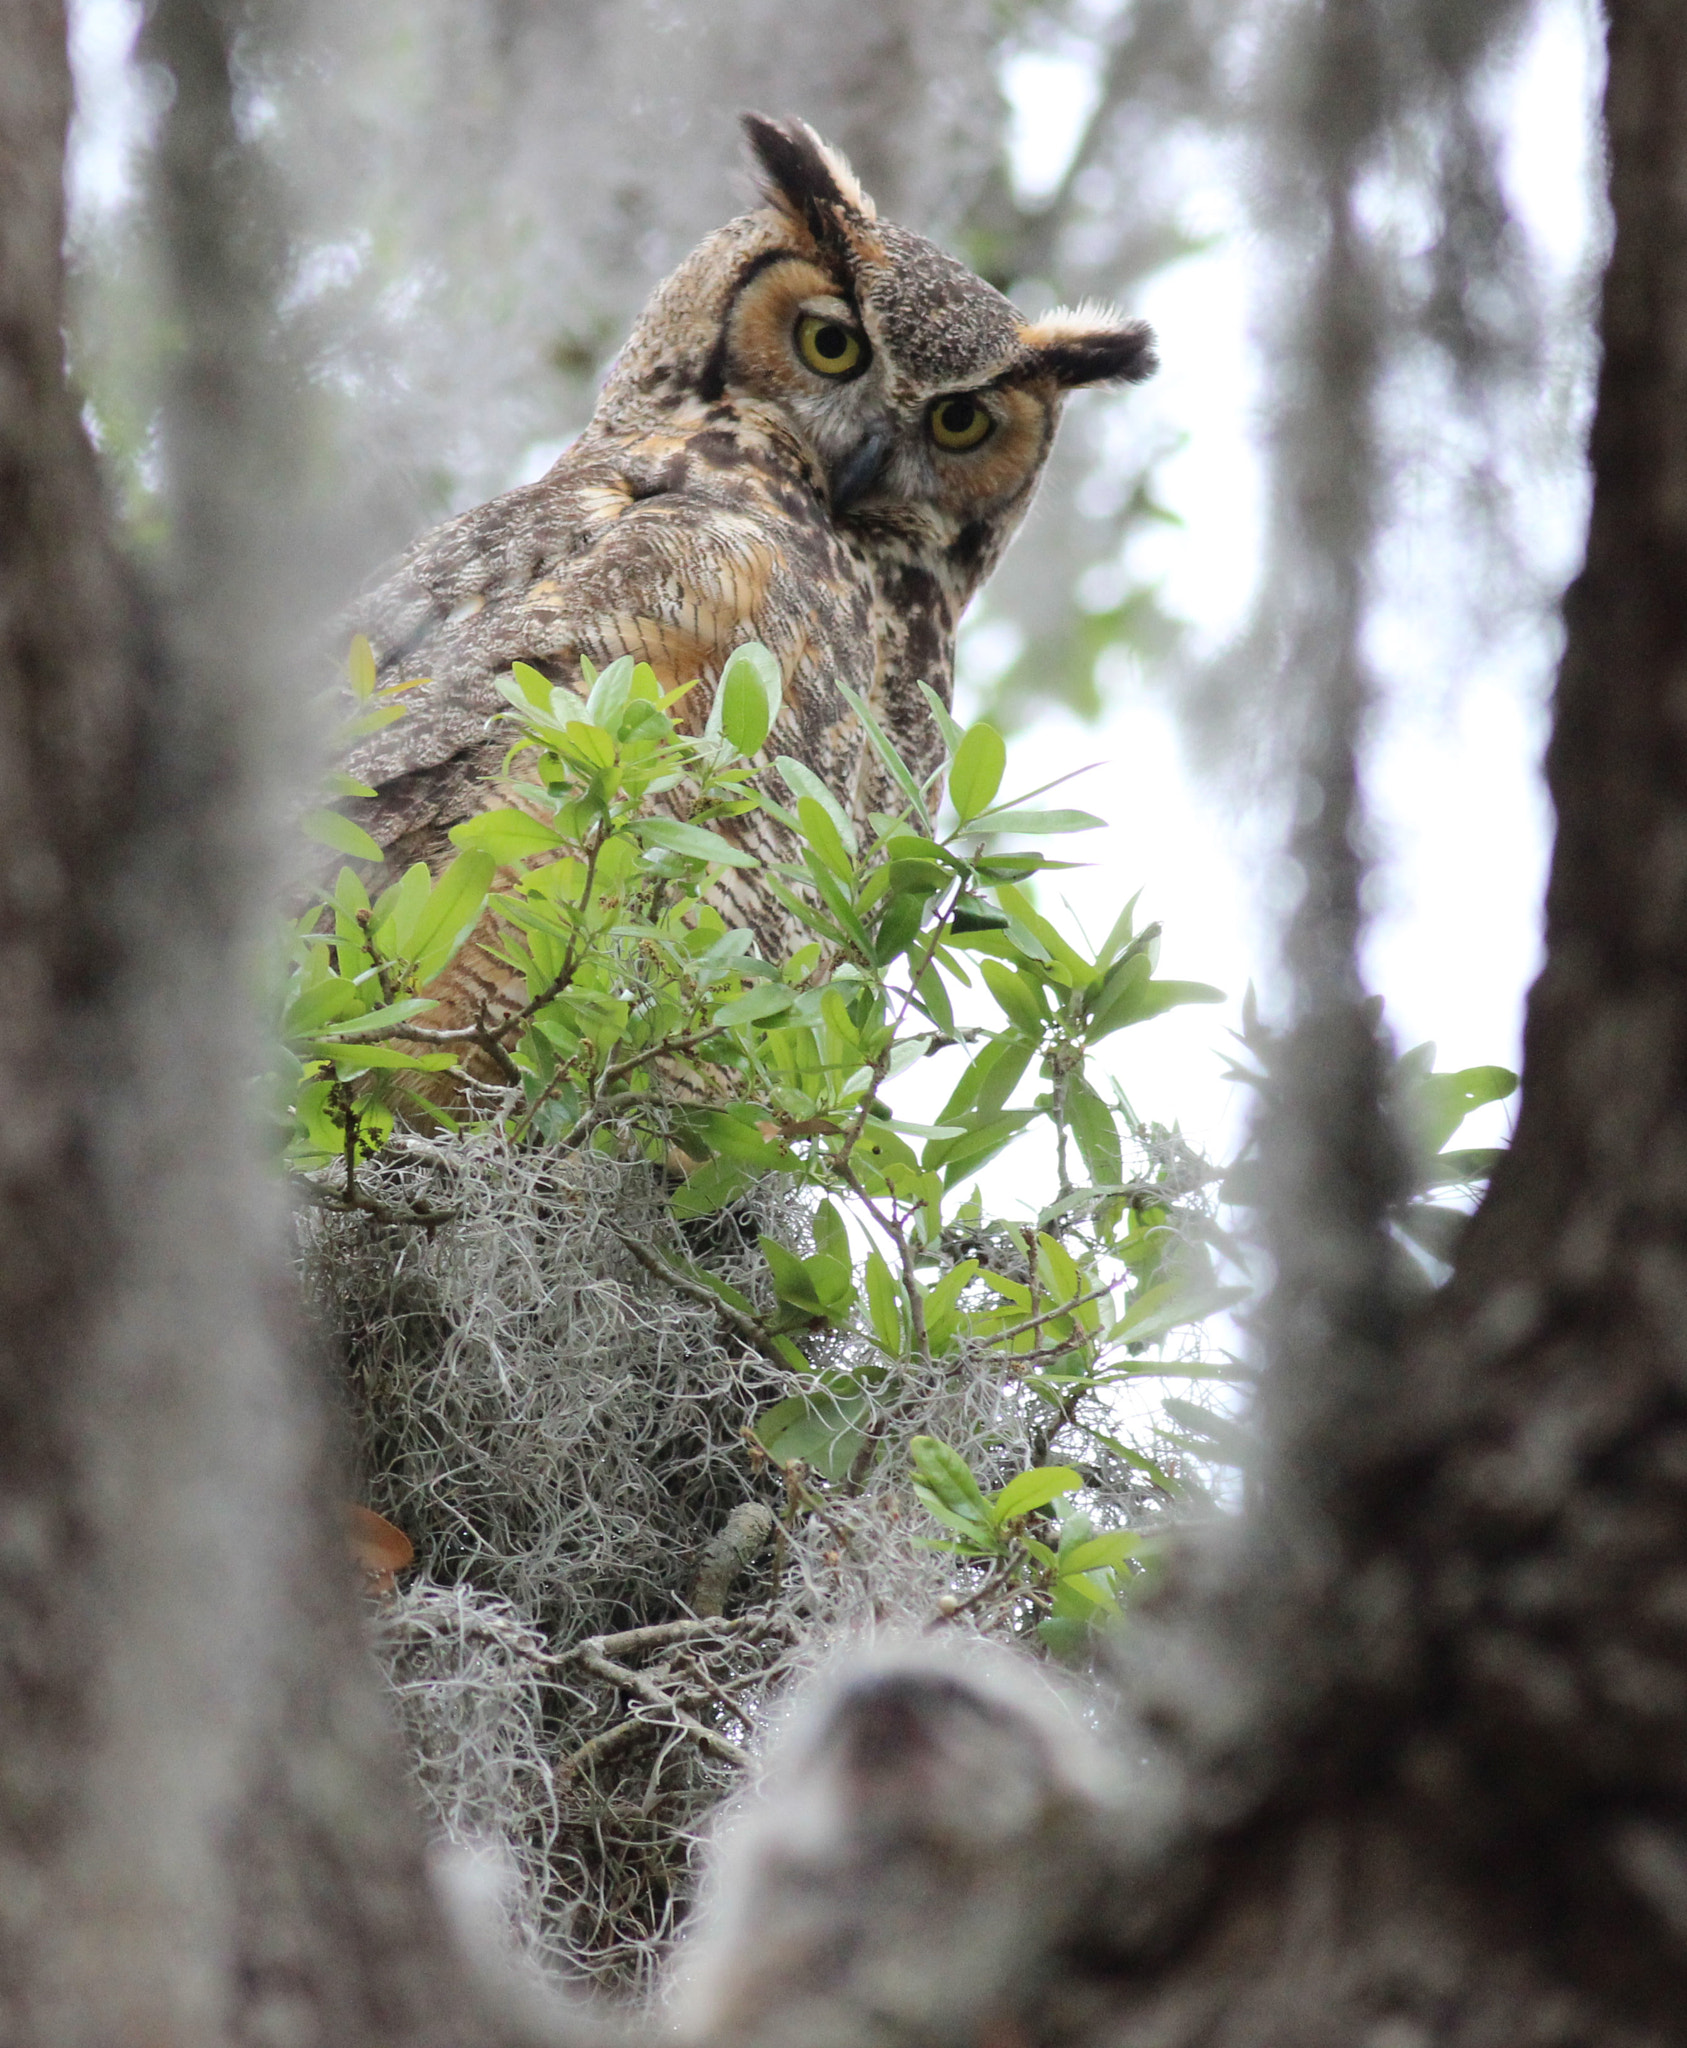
<point x="903" y="438"/>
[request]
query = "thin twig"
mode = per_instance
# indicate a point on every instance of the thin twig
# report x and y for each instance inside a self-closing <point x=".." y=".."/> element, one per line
<point x="351" y="1199"/>
<point x="994" y="1580"/>
<point x="1050" y="1315"/>
<point x="646" y="1689"/>
<point x="747" y="1328"/>
<point x="893" y="1230"/>
<point x="718" y="1693"/>
<point x="600" y="1746"/>
<point x="605" y="1107"/>
<point x="658" y="1635"/>
<point x="667" y="1048"/>
<point x="361" y="1204"/>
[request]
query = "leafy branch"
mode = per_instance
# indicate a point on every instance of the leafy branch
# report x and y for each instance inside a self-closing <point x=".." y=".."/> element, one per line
<point x="640" y="1020"/>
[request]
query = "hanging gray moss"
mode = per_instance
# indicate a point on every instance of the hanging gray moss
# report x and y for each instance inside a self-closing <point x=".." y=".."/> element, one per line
<point x="561" y="1433"/>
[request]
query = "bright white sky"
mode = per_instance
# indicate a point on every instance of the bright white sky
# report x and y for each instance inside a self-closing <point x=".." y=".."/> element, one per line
<point x="1455" y="777"/>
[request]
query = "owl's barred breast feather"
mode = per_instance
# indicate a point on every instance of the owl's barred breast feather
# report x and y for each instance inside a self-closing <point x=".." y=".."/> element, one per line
<point x="731" y="486"/>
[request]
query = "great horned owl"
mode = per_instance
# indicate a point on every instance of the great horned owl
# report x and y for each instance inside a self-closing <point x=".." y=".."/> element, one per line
<point x="820" y="435"/>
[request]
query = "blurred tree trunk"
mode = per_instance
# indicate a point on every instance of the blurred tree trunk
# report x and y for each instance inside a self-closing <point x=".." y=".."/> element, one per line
<point x="1445" y="1798"/>
<point x="203" y="1832"/>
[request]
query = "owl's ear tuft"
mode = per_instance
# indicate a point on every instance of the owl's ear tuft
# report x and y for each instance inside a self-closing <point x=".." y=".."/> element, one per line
<point x="1091" y="345"/>
<point x="806" y="178"/>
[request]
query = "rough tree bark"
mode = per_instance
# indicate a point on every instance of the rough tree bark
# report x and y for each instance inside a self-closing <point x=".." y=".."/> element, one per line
<point x="1421" y="1720"/>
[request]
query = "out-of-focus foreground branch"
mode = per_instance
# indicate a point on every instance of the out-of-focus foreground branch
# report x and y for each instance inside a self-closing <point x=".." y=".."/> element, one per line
<point x="203" y="1835"/>
<point x="1420" y="1720"/>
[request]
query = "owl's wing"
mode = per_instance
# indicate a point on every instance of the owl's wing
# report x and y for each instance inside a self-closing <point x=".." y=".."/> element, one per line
<point x="663" y="547"/>
<point x="432" y="615"/>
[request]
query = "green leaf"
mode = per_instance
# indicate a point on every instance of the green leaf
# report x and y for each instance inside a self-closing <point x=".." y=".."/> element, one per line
<point x="957" y="1157"/>
<point x="832" y="1282"/>
<point x="696" y="842"/>
<point x="973" y="914"/>
<point x="801" y="782"/>
<point x="786" y="1268"/>
<point x="993" y="1075"/>
<point x="1227" y="1442"/>
<point x="360" y="668"/>
<point x="1157" y="1309"/>
<point x="977" y="772"/>
<point x="381" y="1019"/>
<point x="1116" y="1000"/>
<point x="1122" y="933"/>
<point x="400" y="911"/>
<point x="1100" y="1553"/>
<point x="819" y="1287"/>
<point x="943" y="1317"/>
<point x="1097" y="1134"/>
<point x="827" y="1431"/>
<point x="751" y="691"/>
<point x="899" y="771"/>
<point x="884" y="1304"/>
<point x="351" y="1060"/>
<point x="329" y="828"/>
<point x="711" y="1187"/>
<point x="1436" y="1104"/>
<point x="948" y="1490"/>
<point x="1129" y="995"/>
<point x="330" y="999"/>
<point x="1160" y="996"/>
<point x="1057" y="1269"/>
<point x="1034" y="1489"/>
<point x="1078" y="1596"/>
<point x="898" y="928"/>
<point x="732" y="1132"/>
<point x="933" y="998"/>
<point x="941" y="716"/>
<point x="915" y="877"/>
<point x="588" y="745"/>
<point x="362" y="723"/>
<point x="534" y="687"/>
<point x="1019" y="996"/>
<point x="805" y="913"/>
<point x="830" y="1235"/>
<point x="508" y="835"/>
<point x="820" y="830"/>
<point x="1036" y="822"/>
<point x="609" y="694"/>
<point x="1032" y="931"/>
<point x="997" y="866"/>
<point x="1064" y="1638"/>
<point x="453" y="910"/>
<point x="767" y="999"/>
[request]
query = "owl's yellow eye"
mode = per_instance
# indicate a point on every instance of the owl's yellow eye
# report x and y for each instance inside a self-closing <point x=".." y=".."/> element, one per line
<point x="830" y="347"/>
<point x="958" y="423"/>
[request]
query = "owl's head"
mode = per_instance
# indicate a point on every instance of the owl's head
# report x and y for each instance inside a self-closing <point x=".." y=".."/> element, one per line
<point x="923" y="399"/>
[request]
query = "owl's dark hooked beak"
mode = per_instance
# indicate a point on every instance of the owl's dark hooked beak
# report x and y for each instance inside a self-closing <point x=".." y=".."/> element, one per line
<point x="855" y="474"/>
